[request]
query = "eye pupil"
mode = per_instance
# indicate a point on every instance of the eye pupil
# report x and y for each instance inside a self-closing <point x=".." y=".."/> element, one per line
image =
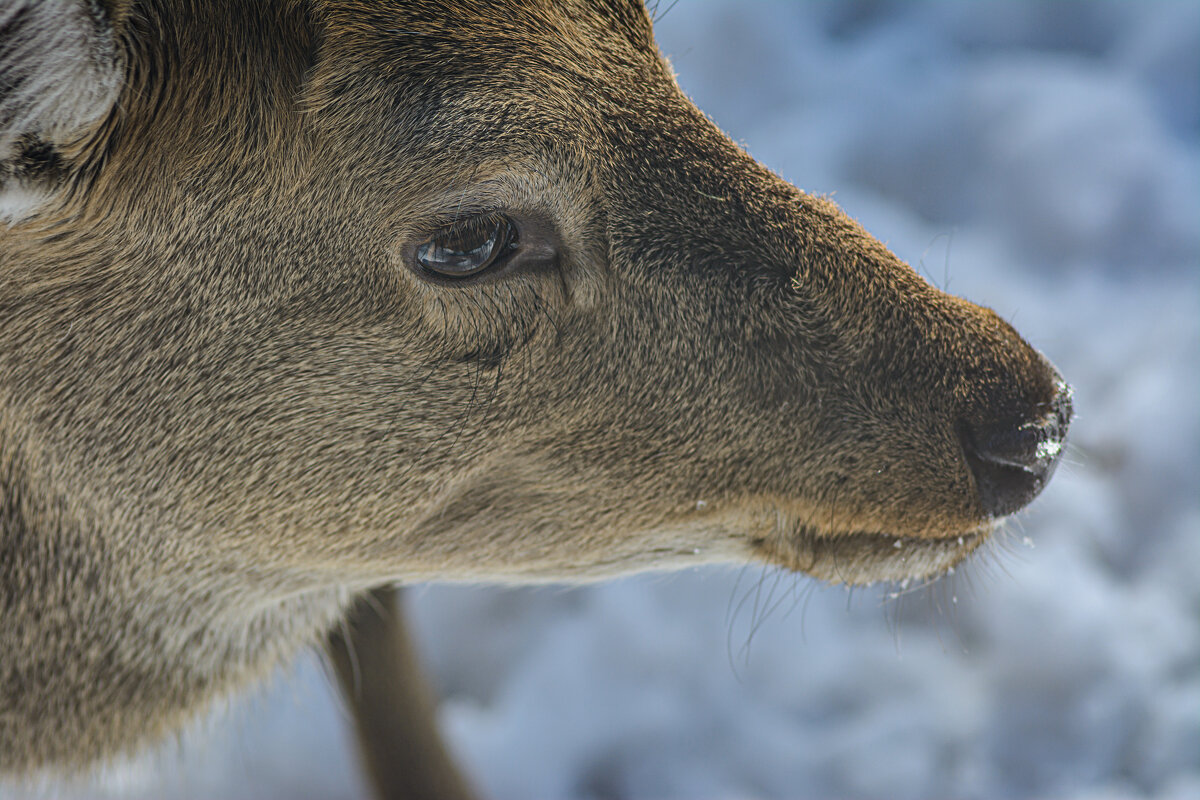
<point x="466" y="248"/>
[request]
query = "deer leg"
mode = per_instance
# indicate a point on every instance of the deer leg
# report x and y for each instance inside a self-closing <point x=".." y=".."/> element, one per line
<point x="394" y="711"/>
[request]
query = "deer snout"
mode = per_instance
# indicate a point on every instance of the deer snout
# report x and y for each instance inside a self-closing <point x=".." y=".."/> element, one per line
<point x="1012" y="459"/>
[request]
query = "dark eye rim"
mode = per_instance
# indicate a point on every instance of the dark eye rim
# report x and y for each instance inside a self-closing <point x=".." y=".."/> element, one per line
<point x="533" y="245"/>
<point x="503" y="236"/>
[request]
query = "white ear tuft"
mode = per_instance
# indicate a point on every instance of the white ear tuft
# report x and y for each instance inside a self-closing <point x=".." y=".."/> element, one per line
<point x="59" y="74"/>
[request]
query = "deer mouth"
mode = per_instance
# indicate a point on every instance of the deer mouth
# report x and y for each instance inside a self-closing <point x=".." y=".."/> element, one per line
<point x="864" y="557"/>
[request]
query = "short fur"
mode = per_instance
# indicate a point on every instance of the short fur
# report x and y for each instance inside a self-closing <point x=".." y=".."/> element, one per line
<point x="229" y="405"/>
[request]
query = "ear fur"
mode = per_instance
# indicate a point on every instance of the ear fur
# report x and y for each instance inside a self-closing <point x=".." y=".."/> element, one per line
<point x="60" y="73"/>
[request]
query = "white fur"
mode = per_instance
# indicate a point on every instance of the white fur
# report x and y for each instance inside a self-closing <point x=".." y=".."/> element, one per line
<point x="19" y="199"/>
<point x="60" y="59"/>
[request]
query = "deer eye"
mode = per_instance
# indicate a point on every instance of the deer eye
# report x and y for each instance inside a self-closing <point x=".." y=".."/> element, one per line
<point x="468" y="247"/>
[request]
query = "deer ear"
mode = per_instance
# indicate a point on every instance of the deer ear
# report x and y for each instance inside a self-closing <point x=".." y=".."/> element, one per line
<point x="60" y="74"/>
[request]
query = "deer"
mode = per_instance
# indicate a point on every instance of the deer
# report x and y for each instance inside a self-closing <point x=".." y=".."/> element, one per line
<point x="304" y="300"/>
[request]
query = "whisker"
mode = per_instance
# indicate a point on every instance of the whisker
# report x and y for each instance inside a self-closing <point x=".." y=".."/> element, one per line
<point x="770" y="607"/>
<point x="658" y="16"/>
<point x="745" y="649"/>
<point x="732" y="620"/>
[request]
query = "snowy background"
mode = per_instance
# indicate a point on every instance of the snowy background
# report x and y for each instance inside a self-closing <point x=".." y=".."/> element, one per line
<point x="1040" y="158"/>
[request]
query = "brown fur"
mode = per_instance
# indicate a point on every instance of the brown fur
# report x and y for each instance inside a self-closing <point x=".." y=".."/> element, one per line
<point x="228" y="406"/>
<point x="393" y="709"/>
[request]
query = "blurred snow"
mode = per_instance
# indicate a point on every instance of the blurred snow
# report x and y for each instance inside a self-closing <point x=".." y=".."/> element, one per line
<point x="1040" y="158"/>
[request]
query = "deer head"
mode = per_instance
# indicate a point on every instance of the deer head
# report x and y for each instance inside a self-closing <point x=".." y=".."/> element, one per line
<point x="300" y="297"/>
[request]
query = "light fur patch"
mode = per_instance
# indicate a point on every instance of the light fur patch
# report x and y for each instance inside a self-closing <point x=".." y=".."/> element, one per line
<point x="19" y="200"/>
<point x="60" y="74"/>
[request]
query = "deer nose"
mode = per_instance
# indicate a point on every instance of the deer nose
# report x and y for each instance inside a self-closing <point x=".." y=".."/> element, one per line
<point x="1012" y="460"/>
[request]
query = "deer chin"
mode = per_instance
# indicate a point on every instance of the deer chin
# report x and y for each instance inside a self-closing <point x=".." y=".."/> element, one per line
<point x="865" y="557"/>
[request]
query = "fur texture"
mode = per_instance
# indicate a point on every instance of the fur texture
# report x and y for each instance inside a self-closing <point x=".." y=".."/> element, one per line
<point x="230" y="400"/>
<point x="60" y="73"/>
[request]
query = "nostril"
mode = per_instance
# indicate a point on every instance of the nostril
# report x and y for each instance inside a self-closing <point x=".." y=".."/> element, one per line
<point x="1012" y="459"/>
